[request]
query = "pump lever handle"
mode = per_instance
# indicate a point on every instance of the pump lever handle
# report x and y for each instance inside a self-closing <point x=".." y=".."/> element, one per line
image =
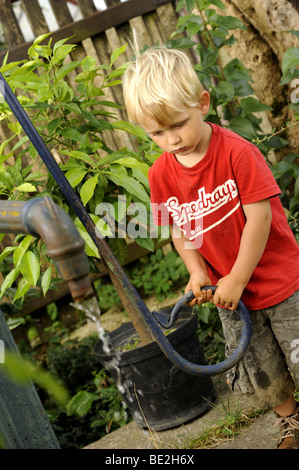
<point x="167" y="321"/>
<point x="198" y="369"/>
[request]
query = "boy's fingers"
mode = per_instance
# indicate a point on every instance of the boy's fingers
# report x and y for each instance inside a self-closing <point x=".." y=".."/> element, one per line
<point x="208" y="295"/>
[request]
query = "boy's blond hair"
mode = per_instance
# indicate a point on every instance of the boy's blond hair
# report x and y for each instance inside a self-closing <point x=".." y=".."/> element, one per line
<point x="158" y="82"/>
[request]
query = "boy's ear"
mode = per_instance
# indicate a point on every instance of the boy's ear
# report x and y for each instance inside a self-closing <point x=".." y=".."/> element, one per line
<point x="204" y="102"/>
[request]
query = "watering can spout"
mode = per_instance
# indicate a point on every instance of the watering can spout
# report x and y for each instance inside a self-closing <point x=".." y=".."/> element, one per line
<point x="44" y="219"/>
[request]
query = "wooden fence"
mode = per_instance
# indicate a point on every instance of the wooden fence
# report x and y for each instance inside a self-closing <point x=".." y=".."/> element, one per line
<point x="97" y="34"/>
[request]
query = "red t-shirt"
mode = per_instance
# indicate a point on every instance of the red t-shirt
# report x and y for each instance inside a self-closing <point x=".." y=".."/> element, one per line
<point x="205" y="202"/>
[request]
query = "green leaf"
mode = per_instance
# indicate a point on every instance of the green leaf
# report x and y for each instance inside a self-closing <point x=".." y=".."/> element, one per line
<point x="13" y="323"/>
<point x="116" y="53"/>
<point x="132" y="162"/>
<point x="46" y="280"/>
<point x="119" y="248"/>
<point x="129" y="184"/>
<point x="60" y="53"/>
<point x="190" y="4"/>
<point x="77" y="154"/>
<point x="218" y="4"/>
<point x="113" y="83"/>
<point x="229" y="22"/>
<point x="66" y="69"/>
<point x="290" y="59"/>
<point x="90" y="247"/>
<point x="88" y="63"/>
<point x="113" y="157"/>
<point x="21" y="371"/>
<point x="52" y="126"/>
<point x="182" y="43"/>
<point x="225" y="91"/>
<point x="281" y="168"/>
<point x="132" y="129"/>
<point x="147" y="243"/>
<point x="141" y="174"/>
<point x="31" y="51"/>
<point x="81" y="403"/>
<point x="110" y="104"/>
<point x="6" y="252"/>
<point x="30" y="267"/>
<point x="21" y="250"/>
<point x="75" y="176"/>
<point x="26" y="188"/>
<point x="23" y="287"/>
<point x="252" y="105"/>
<point x="85" y="76"/>
<point x="6" y="180"/>
<point x="52" y="311"/>
<point x="72" y="134"/>
<point x="296" y="190"/>
<point x="243" y="127"/>
<point x="87" y="190"/>
<point x="9" y="280"/>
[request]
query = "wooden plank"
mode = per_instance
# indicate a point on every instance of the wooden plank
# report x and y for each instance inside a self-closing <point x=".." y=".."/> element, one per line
<point x="111" y="3"/>
<point x="92" y="25"/>
<point x="35" y="17"/>
<point x="12" y="30"/>
<point x="87" y="7"/>
<point x="61" y="12"/>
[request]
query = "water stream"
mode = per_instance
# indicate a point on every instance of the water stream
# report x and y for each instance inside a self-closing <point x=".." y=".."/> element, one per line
<point x="92" y="311"/>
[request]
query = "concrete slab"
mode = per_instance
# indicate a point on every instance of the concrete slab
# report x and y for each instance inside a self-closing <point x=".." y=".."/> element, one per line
<point x="259" y="435"/>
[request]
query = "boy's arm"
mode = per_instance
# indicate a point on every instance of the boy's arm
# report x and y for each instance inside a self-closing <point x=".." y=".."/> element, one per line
<point x="195" y="265"/>
<point x="253" y="241"/>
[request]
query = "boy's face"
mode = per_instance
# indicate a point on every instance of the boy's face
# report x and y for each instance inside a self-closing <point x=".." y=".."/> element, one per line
<point x="182" y="134"/>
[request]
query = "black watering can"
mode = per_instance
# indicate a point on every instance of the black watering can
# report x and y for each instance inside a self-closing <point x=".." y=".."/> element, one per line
<point x="145" y="323"/>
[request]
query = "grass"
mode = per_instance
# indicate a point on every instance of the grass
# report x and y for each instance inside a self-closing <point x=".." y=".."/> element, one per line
<point x="229" y="427"/>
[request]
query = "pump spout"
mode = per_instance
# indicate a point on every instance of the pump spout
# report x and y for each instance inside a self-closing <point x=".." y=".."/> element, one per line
<point x="44" y="219"/>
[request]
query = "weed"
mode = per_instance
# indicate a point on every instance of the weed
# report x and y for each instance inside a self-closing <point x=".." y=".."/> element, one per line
<point x="227" y="428"/>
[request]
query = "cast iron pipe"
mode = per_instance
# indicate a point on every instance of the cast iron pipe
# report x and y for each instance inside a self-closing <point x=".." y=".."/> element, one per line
<point x="44" y="219"/>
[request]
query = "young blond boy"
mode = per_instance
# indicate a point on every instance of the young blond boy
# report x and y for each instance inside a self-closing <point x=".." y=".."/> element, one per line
<point x="217" y="194"/>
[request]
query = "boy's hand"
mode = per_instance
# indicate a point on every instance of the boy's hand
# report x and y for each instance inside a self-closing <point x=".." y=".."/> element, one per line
<point x="228" y="292"/>
<point x="196" y="281"/>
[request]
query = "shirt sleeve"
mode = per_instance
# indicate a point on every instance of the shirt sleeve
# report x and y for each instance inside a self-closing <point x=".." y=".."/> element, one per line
<point x="254" y="178"/>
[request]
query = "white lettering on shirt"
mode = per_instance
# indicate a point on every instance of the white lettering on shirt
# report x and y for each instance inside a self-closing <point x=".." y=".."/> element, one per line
<point x="184" y="214"/>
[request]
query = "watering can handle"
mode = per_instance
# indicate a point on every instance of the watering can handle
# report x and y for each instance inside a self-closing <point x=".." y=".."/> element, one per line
<point x="197" y="369"/>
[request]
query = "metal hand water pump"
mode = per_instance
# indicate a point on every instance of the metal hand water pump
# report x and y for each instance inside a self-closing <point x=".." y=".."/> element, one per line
<point x="145" y="323"/>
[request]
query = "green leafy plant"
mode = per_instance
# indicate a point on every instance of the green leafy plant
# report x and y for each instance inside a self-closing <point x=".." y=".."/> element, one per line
<point x="72" y="123"/>
<point x="230" y="85"/>
<point x="286" y="172"/>
<point x="232" y="103"/>
<point x="94" y="406"/>
<point x="158" y="273"/>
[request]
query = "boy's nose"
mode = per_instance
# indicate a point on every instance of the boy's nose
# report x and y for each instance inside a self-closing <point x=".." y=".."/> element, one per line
<point x="174" y="138"/>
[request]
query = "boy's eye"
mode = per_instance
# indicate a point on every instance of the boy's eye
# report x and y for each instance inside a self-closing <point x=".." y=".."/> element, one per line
<point x="179" y="124"/>
<point x="158" y="133"/>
